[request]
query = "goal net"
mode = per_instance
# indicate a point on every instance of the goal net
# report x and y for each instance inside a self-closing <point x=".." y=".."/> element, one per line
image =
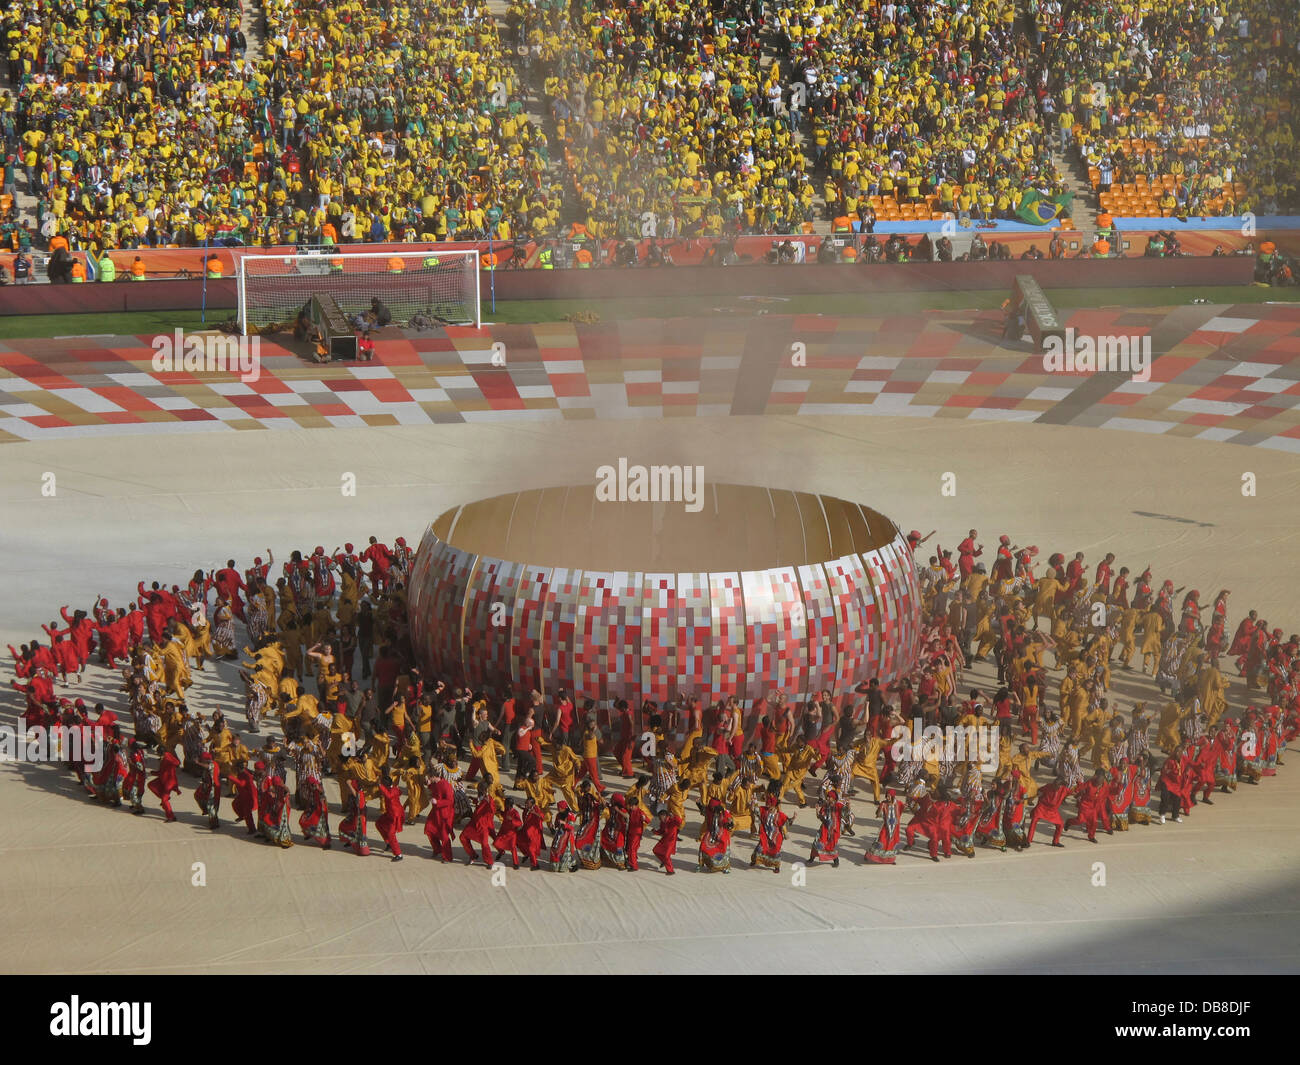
<point x="436" y="284"/>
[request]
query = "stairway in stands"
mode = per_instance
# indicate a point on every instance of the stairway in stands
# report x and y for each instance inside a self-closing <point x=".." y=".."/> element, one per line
<point x="25" y="205"/>
<point x="802" y="137"/>
<point x="253" y="23"/>
<point x="1084" y="211"/>
<point x="535" y="109"/>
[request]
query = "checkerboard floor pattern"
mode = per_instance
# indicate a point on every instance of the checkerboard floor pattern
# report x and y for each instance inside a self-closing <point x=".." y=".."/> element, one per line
<point x="1227" y="373"/>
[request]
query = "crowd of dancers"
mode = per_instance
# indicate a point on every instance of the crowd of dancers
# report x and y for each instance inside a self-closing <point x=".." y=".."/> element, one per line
<point x="328" y="660"/>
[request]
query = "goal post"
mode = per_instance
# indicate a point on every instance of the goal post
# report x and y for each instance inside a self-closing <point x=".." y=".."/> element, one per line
<point x="438" y="284"/>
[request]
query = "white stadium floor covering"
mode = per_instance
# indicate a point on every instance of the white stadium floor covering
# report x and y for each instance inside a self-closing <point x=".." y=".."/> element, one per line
<point x="93" y="890"/>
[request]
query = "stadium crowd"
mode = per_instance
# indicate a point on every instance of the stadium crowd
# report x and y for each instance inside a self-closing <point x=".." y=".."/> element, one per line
<point x="149" y="126"/>
<point x="667" y="117"/>
<point x="920" y="110"/>
<point x="1177" y="108"/>
<point x="139" y="123"/>
<point x="331" y="661"/>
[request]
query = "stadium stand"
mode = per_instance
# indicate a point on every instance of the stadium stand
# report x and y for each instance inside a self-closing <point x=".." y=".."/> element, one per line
<point x="918" y="111"/>
<point x="364" y="122"/>
<point x="663" y="110"/>
<point x="1177" y="109"/>
<point x="150" y="125"/>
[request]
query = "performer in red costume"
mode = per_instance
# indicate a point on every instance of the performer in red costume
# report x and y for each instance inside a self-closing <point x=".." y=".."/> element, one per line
<point x="23" y="664"/>
<point x="164" y="783"/>
<point x="933" y="819"/>
<point x="322" y="576"/>
<point x="1004" y="563"/>
<point x="1074" y="577"/>
<point x="1013" y="813"/>
<point x="564" y="845"/>
<point x="114" y="639"/>
<point x="262" y="570"/>
<point x="134" y="784"/>
<point x="967" y="552"/>
<point x="890" y="811"/>
<point x="229" y="583"/>
<point x="390" y="821"/>
<point x="439" y="826"/>
<point x="245" y="802"/>
<point x="715" y="839"/>
<point x="1101" y="582"/>
<point x="946" y="809"/>
<point x="39" y="690"/>
<point x="1050" y="798"/>
<point x="479" y="829"/>
<point x="1190" y="622"/>
<point x="1241" y="639"/>
<point x="613" y="839"/>
<point x="208" y="792"/>
<point x="915" y="539"/>
<point x="315" y="817"/>
<point x="531" y="832"/>
<point x="1119" y="594"/>
<point x="64" y="651"/>
<point x="830" y="812"/>
<point x="273" y="806"/>
<point x="922" y="820"/>
<point x="381" y="561"/>
<point x="1171" y="789"/>
<point x="1200" y="771"/>
<point x="1142" y="594"/>
<point x="771" y="824"/>
<point x="627" y="738"/>
<point x="352" y="830"/>
<point x="507" y="837"/>
<point x="1092" y="795"/>
<point x="135" y="624"/>
<point x="159" y="608"/>
<point x="637" y="822"/>
<point x="587" y="832"/>
<point x="82" y="630"/>
<point x="669" y="826"/>
<point x="1122" y="777"/>
<point x="111" y="777"/>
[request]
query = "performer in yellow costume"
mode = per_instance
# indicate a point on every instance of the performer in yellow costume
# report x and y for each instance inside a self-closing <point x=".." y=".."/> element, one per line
<point x="1168" y="738"/>
<point x="866" y="764"/>
<point x="563" y="774"/>
<point x="1153" y="626"/>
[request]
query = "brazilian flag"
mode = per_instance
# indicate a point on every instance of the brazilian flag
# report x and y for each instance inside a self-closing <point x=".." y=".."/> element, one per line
<point x="1040" y="210"/>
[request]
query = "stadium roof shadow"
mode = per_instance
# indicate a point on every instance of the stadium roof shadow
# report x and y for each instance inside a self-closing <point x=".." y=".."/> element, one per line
<point x="1245" y="933"/>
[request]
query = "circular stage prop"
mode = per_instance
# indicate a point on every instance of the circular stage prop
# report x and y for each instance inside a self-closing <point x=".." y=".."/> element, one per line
<point x="742" y="591"/>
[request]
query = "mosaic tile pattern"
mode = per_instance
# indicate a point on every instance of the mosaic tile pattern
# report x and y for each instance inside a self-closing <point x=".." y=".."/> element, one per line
<point x="638" y="636"/>
<point x="819" y="612"/>
<point x="418" y="591"/>
<point x="526" y="646"/>
<point x="615" y="648"/>
<point x="695" y="644"/>
<point x="856" y="616"/>
<point x="763" y="644"/>
<point x="1220" y="373"/>
<point x="448" y="575"/>
<point x="486" y="627"/>
<point x="887" y="606"/>
<point x="660" y="632"/>
<point x="727" y="631"/>
<point x="588" y="660"/>
<point x="559" y="628"/>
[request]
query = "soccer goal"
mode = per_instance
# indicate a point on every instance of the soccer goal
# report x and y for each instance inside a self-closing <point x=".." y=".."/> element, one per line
<point x="441" y="285"/>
